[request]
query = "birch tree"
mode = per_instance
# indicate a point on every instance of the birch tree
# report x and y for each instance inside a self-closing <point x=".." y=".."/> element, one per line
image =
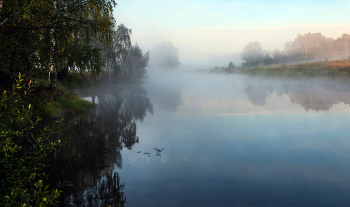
<point x="55" y="33"/>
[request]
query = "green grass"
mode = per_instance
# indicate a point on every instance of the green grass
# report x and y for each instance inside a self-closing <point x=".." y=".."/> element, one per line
<point x="336" y="69"/>
<point x="330" y="69"/>
<point x="66" y="104"/>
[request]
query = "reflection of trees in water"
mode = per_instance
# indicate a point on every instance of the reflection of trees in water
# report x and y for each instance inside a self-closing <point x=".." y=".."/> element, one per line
<point x="94" y="144"/>
<point x="170" y="101"/>
<point x="257" y="93"/>
<point x="314" y="95"/>
<point x="107" y="192"/>
<point x="167" y="97"/>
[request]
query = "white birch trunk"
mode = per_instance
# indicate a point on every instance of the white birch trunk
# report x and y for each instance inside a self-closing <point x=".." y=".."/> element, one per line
<point x="52" y="84"/>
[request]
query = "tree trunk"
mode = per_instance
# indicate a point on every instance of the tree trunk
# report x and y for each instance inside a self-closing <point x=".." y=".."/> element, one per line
<point x="346" y="47"/>
<point x="305" y="53"/>
<point x="52" y="74"/>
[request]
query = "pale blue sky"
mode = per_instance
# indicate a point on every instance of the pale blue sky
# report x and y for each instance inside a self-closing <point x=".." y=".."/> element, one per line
<point x="179" y="21"/>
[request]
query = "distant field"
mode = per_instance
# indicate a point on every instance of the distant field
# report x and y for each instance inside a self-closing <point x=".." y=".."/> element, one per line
<point x="332" y="69"/>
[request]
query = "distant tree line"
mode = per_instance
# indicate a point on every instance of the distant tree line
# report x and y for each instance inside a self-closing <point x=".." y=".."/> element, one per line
<point x="304" y="48"/>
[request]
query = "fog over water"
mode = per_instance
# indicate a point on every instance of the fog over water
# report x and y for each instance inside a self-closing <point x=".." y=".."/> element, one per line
<point x="216" y="46"/>
<point x="202" y="139"/>
<point x="182" y="137"/>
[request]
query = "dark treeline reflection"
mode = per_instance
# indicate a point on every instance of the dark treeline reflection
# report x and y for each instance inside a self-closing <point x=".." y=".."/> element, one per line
<point x="310" y="94"/>
<point x="93" y="147"/>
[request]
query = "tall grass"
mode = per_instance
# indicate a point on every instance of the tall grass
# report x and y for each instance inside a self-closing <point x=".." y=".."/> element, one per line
<point x="68" y="103"/>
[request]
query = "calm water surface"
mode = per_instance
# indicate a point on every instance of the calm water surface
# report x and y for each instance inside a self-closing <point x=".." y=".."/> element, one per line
<point x="210" y="140"/>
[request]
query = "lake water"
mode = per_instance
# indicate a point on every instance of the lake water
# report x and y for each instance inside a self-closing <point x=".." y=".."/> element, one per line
<point x="197" y="139"/>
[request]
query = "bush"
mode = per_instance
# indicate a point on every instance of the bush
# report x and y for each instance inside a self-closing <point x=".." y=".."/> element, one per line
<point x="22" y="152"/>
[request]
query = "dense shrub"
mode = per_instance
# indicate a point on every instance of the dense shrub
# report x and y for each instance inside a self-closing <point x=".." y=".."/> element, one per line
<point x="22" y="152"/>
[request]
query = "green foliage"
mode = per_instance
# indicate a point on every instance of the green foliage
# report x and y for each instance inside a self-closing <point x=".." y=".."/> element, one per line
<point x="253" y="55"/>
<point x="304" y="48"/>
<point x="136" y="62"/>
<point x="330" y="69"/>
<point x="36" y="34"/>
<point x="231" y="66"/>
<point x="121" y="45"/>
<point x="114" y="56"/>
<point x="68" y="103"/>
<point x="22" y="152"/>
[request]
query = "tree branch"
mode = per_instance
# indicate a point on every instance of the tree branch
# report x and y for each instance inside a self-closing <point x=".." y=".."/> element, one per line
<point x="11" y="15"/>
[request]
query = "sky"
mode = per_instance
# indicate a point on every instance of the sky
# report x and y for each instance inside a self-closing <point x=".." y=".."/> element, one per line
<point x="204" y="28"/>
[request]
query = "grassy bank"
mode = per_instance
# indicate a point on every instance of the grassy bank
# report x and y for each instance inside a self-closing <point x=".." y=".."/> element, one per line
<point x="329" y="69"/>
<point x="56" y="103"/>
<point x="47" y="103"/>
<point x="65" y="104"/>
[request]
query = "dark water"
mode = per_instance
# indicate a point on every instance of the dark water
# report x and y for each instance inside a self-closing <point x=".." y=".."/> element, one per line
<point x="210" y="140"/>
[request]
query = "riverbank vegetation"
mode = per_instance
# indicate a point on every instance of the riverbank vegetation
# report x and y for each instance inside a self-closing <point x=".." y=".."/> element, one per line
<point x="57" y="44"/>
<point x="322" y="69"/>
<point x="308" y="55"/>
<point x="63" y="45"/>
<point x="336" y="69"/>
<point x="310" y="47"/>
<point x="22" y="151"/>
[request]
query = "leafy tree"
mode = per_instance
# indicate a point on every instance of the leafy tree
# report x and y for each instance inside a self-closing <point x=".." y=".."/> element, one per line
<point x="231" y="65"/>
<point x="136" y="62"/>
<point x="122" y="45"/>
<point x="114" y="56"/>
<point x="267" y="59"/>
<point x="342" y="45"/>
<point x="54" y="34"/>
<point x="165" y="56"/>
<point x="278" y="56"/>
<point x="309" y="45"/>
<point x="253" y="54"/>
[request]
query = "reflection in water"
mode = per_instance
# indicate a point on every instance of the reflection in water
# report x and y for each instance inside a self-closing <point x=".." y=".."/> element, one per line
<point x="314" y="95"/>
<point x="258" y="93"/>
<point x="220" y="149"/>
<point x="170" y="101"/>
<point x="107" y="192"/>
<point x="167" y="96"/>
<point x="158" y="151"/>
<point x="94" y="145"/>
